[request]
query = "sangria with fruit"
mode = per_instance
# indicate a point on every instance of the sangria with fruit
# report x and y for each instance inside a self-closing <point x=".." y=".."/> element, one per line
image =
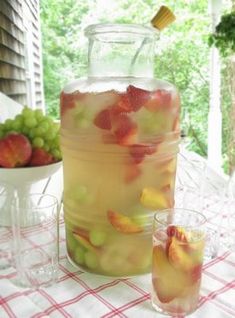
<point x="119" y="141"/>
<point x="177" y="263"/>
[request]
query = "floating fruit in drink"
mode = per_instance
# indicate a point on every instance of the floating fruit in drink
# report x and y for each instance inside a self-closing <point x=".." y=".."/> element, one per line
<point x="123" y="223"/>
<point x="113" y="168"/>
<point x="176" y="266"/>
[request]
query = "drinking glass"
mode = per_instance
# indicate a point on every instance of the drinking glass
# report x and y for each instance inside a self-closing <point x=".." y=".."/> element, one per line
<point x="35" y="240"/>
<point x="178" y="247"/>
<point x="6" y="195"/>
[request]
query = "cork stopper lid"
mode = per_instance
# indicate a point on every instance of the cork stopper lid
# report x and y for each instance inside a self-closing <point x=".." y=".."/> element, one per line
<point x="163" y="18"/>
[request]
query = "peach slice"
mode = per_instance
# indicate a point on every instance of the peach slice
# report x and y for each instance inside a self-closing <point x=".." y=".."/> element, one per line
<point x="15" y="150"/>
<point x="167" y="281"/>
<point x="178" y="257"/>
<point x="186" y="256"/>
<point x="153" y="199"/>
<point x="122" y="223"/>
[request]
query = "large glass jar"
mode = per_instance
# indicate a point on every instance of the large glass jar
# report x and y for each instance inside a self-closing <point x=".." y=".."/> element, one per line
<point x="119" y="140"/>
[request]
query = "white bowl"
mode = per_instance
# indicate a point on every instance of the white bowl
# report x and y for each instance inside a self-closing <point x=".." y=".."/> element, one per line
<point x="28" y="175"/>
<point x="18" y="181"/>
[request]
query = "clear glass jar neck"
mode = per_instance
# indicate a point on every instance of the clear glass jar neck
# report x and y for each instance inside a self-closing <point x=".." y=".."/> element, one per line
<point x="120" y="50"/>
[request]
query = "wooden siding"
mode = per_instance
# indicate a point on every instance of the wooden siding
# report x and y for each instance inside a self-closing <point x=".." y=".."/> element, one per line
<point x="19" y="63"/>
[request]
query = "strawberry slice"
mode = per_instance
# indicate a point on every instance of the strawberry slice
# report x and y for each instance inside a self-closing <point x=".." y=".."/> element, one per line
<point x="103" y="119"/>
<point x="68" y="101"/>
<point x="108" y="138"/>
<point x="124" y="105"/>
<point x="196" y="273"/>
<point x="124" y="129"/>
<point x="122" y="223"/>
<point x="138" y="151"/>
<point x="160" y="99"/>
<point x="177" y="232"/>
<point x="137" y="97"/>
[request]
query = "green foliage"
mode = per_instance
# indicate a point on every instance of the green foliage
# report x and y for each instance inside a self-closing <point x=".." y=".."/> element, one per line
<point x="224" y="36"/>
<point x="182" y="52"/>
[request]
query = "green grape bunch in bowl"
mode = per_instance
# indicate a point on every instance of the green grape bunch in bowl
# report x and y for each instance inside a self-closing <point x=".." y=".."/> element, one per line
<point x="30" y="139"/>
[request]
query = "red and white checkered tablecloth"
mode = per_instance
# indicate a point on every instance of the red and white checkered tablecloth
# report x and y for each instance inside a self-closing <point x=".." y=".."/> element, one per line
<point x="83" y="295"/>
<point x="78" y="294"/>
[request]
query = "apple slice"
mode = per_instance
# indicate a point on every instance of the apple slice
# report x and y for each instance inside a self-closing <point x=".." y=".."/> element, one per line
<point x="122" y="223"/>
<point x="167" y="281"/>
<point x="153" y="198"/>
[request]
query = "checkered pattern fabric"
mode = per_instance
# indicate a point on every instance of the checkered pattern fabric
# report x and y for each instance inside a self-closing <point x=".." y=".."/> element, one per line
<point x="82" y="295"/>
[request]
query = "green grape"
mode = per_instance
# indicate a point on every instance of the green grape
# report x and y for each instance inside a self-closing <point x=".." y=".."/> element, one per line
<point x="82" y="122"/>
<point x="44" y="125"/>
<point x="8" y="124"/>
<point x="30" y="122"/>
<point x="50" y="143"/>
<point x="70" y="240"/>
<point x="97" y="237"/>
<point x="16" y="125"/>
<point x="79" y="255"/>
<point x="91" y="260"/>
<point x="80" y="192"/>
<point x="39" y="131"/>
<point x="27" y="112"/>
<point x="56" y="141"/>
<point x="38" y="142"/>
<point x="19" y="117"/>
<point x="56" y="154"/>
<point x="31" y="133"/>
<point x="46" y="147"/>
<point x="38" y="114"/>
<point x="50" y="135"/>
<point x="25" y="130"/>
<point x="49" y="120"/>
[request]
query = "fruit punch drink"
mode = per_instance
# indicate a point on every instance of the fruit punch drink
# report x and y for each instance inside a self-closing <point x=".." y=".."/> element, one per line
<point x="178" y="247"/>
<point x="119" y="140"/>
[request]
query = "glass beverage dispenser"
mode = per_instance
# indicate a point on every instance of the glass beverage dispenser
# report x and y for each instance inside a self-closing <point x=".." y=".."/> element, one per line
<point x="119" y="140"/>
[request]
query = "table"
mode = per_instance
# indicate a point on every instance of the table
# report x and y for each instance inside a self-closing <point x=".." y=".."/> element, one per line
<point x="82" y="295"/>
